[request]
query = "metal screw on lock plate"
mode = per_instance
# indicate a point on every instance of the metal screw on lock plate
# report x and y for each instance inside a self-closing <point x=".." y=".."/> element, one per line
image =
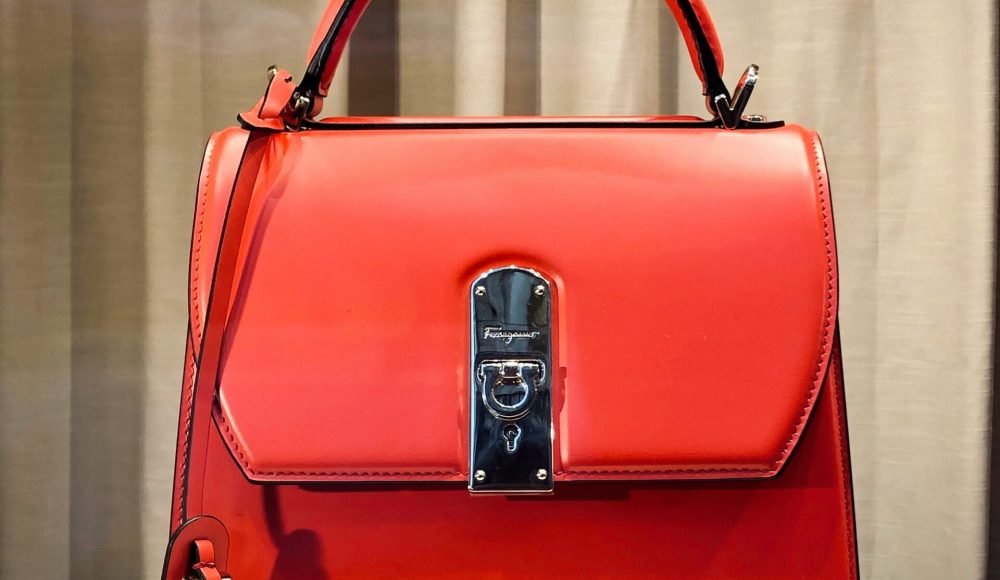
<point x="539" y="290"/>
<point x="480" y="290"/>
<point x="542" y="474"/>
<point x="480" y="475"/>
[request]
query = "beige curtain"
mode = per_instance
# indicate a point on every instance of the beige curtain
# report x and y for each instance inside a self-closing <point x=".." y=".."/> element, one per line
<point x="106" y="104"/>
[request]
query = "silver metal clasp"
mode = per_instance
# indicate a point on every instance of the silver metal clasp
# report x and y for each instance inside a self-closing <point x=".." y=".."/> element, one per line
<point x="298" y="107"/>
<point x="509" y="386"/>
<point x="510" y="392"/>
<point x="730" y="110"/>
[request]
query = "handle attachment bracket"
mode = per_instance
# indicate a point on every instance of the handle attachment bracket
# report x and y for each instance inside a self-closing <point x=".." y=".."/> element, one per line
<point x="730" y="111"/>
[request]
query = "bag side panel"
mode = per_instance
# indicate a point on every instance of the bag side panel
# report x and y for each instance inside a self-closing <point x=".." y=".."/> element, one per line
<point x="215" y="182"/>
<point x="222" y="159"/>
<point x="183" y="429"/>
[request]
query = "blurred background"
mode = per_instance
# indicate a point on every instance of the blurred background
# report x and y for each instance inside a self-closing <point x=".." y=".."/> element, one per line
<point x="105" y="107"/>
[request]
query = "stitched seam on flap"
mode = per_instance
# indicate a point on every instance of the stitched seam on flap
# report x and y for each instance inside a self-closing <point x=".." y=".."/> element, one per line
<point x="818" y="378"/>
<point x="712" y="470"/>
<point x="238" y="453"/>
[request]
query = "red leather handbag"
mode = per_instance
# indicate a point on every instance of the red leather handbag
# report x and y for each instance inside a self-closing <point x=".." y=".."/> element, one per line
<point x="512" y="348"/>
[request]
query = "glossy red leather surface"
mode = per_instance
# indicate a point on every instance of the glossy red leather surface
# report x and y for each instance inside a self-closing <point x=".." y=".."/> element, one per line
<point x="379" y="342"/>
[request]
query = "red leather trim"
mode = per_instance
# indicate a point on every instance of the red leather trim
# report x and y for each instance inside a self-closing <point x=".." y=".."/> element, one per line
<point x="326" y="21"/>
<point x="267" y="112"/>
<point x="338" y="50"/>
<point x="199" y="546"/>
<point x="183" y="433"/>
<point x="705" y="19"/>
<point x="204" y="552"/>
<point x="333" y="8"/>
<point x="204" y="556"/>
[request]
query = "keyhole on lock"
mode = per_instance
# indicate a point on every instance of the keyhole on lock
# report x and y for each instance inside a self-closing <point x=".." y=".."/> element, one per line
<point x="512" y="436"/>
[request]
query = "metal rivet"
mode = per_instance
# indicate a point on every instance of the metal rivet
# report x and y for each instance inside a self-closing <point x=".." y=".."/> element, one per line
<point x="480" y="475"/>
<point x="272" y="71"/>
<point x="302" y="102"/>
<point x="480" y="290"/>
<point x="539" y="290"/>
<point x="542" y="474"/>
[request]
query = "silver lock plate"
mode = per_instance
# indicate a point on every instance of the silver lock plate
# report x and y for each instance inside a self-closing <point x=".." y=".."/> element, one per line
<point x="511" y="383"/>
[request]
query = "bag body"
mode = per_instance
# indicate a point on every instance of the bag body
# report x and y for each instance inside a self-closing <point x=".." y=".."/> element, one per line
<point x="512" y="348"/>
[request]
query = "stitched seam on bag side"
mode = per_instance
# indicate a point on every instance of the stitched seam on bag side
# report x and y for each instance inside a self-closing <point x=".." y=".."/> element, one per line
<point x="822" y="191"/>
<point x="837" y="381"/>
<point x="195" y="312"/>
<point x="188" y="405"/>
<point x="238" y="453"/>
<point x="199" y="234"/>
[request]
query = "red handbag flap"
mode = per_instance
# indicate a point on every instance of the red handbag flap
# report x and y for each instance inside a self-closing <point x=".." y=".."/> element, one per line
<point x="694" y="277"/>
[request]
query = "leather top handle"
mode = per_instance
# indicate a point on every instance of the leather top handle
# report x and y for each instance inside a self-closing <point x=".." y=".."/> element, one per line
<point x="342" y="16"/>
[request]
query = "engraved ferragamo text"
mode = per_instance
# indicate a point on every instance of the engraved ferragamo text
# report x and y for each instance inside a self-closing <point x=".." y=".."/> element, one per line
<point x="508" y="336"/>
